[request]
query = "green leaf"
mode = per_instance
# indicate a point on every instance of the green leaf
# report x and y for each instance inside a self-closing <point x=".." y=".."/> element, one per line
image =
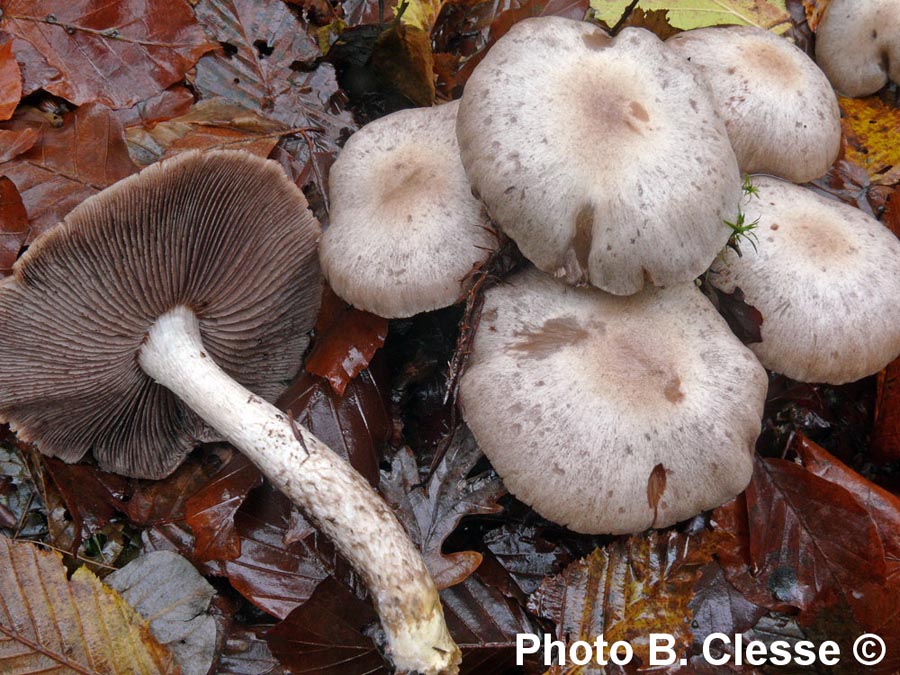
<point x="769" y="14"/>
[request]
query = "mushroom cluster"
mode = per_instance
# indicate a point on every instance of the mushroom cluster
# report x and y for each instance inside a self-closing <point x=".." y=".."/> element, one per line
<point x="602" y="385"/>
<point x="173" y="307"/>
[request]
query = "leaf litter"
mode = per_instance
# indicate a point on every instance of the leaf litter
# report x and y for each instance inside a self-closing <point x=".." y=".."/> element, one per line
<point x="779" y="562"/>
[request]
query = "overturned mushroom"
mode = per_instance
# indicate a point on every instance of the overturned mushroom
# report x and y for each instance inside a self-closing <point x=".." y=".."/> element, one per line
<point x="405" y="230"/>
<point x="182" y="296"/>
<point x="612" y="414"/>
<point x="858" y="45"/>
<point x="779" y="109"/>
<point x="603" y="158"/>
<point x="826" y="279"/>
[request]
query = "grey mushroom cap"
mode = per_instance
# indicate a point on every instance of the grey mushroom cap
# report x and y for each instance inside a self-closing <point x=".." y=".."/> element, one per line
<point x="405" y="231"/>
<point x="224" y="233"/>
<point x="825" y="277"/>
<point x="780" y="111"/>
<point x="612" y="414"/>
<point x="603" y="158"/>
<point x="858" y="45"/>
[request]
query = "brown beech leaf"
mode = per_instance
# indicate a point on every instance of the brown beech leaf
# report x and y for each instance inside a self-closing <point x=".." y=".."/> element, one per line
<point x="10" y="82"/>
<point x="798" y="540"/>
<point x="492" y="20"/>
<point x="718" y="607"/>
<point x="431" y="511"/>
<point x="13" y="142"/>
<point x="92" y="497"/>
<point x="328" y="635"/>
<point x="354" y="425"/>
<point x="50" y="623"/>
<point x="874" y="604"/>
<point x="214" y="123"/>
<point x="264" y="66"/>
<point x="173" y="102"/>
<point x="870" y="137"/>
<point x="210" y="511"/>
<point x="885" y="439"/>
<point x="66" y="165"/>
<point x="744" y="320"/>
<point x="484" y="614"/>
<point x="628" y="589"/>
<point x="346" y="340"/>
<point x="13" y="225"/>
<point x="814" y="11"/>
<point x="274" y="575"/>
<point x="115" y="53"/>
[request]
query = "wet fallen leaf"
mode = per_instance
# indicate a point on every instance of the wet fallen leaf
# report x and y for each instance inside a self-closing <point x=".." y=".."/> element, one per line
<point x="354" y="425"/>
<point x="214" y="123"/>
<point x="432" y="510"/>
<point x="743" y="319"/>
<point x="885" y="438"/>
<point x="10" y="82"/>
<point x="210" y="511"/>
<point x="117" y="54"/>
<point x="814" y="11"/>
<point x="48" y="622"/>
<point x="485" y="613"/>
<point x="13" y="225"/>
<point x="173" y="102"/>
<point x="328" y="634"/>
<point x="170" y="594"/>
<point x="687" y="14"/>
<point x="654" y="20"/>
<point x="275" y="576"/>
<point x="626" y="590"/>
<point x="346" y="340"/>
<point x="66" y="165"/>
<point x="870" y="137"/>
<point x="13" y="142"/>
<point x="792" y="555"/>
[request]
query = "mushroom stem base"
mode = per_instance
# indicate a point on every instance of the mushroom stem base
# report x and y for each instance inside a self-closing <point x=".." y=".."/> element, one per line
<point x="336" y="498"/>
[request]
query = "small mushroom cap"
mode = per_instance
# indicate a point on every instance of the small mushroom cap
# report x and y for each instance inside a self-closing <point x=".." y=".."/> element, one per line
<point x="858" y="45"/>
<point x="612" y="414"/>
<point x="603" y="158"/>
<point x="224" y="233"/>
<point x="405" y="230"/>
<point x="780" y="111"/>
<point x="826" y="279"/>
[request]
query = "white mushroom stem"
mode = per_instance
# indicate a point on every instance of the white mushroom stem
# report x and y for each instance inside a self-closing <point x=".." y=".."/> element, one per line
<point x="331" y="493"/>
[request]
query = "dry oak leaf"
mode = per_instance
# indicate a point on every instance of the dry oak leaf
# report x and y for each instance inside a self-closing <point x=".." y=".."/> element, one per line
<point x="10" y="82"/>
<point x="117" y="53"/>
<point x="67" y="164"/>
<point x="49" y="623"/>
<point x="13" y="225"/>
<point x="630" y="588"/>
<point x="870" y="137"/>
<point x="687" y="14"/>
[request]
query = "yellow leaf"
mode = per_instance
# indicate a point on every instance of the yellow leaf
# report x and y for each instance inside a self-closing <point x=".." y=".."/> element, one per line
<point x="687" y="14"/>
<point x="51" y="624"/>
<point x="419" y="13"/>
<point x="627" y="590"/>
<point x="870" y="137"/>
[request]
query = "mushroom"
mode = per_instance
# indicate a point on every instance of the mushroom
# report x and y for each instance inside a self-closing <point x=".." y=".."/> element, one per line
<point x="612" y="414"/>
<point x="603" y="158"/>
<point x="779" y="109"/>
<point x="858" y="45"/>
<point x="180" y="296"/>
<point x="405" y="230"/>
<point x="825" y="277"/>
